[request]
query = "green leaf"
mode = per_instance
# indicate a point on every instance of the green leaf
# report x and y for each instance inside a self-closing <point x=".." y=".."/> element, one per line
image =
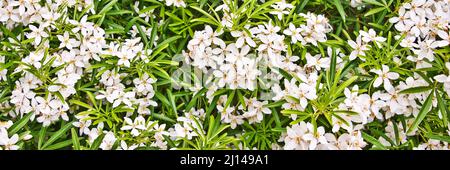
<point x="75" y="140"/>
<point x="194" y="99"/>
<point x="19" y="124"/>
<point x="372" y="140"/>
<point x="59" y="145"/>
<point x="349" y="112"/>
<point x="333" y="64"/>
<point x="206" y="14"/>
<point x="422" y="113"/>
<point x="290" y="112"/>
<point x="163" y="117"/>
<point x="41" y="137"/>
<point x="82" y="104"/>
<point x="441" y="138"/>
<point x="343" y="86"/>
<point x="91" y="98"/>
<point x="107" y="7"/>
<point x="58" y="134"/>
<point x="374" y="11"/>
<point x="418" y="89"/>
<point x="302" y="5"/>
<point x="373" y="2"/>
<point x="96" y="144"/>
<point x="442" y="108"/>
<point x="340" y="9"/>
<point x="275" y="104"/>
<point x="230" y="99"/>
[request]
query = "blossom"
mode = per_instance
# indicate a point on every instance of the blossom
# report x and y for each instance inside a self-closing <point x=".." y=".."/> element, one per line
<point x="259" y="69"/>
<point x="83" y="126"/>
<point x="108" y="141"/>
<point x="295" y="137"/>
<point x="34" y="59"/>
<point x="358" y="47"/>
<point x="295" y="33"/>
<point x="371" y="36"/>
<point x="384" y="77"/>
<point x="67" y="42"/>
<point x="8" y="143"/>
<point x="442" y="78"/>
<point x="176" y="3"/>
<point x="138" y="124"/>
<point x="315" y="136"/>
<point x="124" y="146"/>
<point x="281" y="8"/>
<point x="9" y="13"/>
<point x="403" y="23"/>
<point x="244" y="37"/>
<point x="316" y="61"/>
<point x="144" y="84"/>
<point x="37" y="33"/>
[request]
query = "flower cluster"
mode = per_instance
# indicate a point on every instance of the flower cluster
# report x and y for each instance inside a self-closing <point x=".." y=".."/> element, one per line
<point x="302" y="136"/>
<point x="246" y="74"/>
<point x="425" y="25"/>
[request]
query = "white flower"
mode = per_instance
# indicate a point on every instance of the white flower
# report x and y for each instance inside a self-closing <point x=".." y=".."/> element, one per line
<point x="9" y="12"/>
<point x="124" y="146"/>
<point x="442" y="78"/>
<point x="376" y="105"/>
<point x="351" y="97"/>
<point x="225" y="113"/>
<point x="317" y="62"/>
<point x="343" y="122"/>
<point x="315" y="136"/>
<point x="244" y="37"/>
<point x="295" y="33"/>
<point x="34" y="59"/>
<point x="6" y="142"/>
<point x="351" y="141"/>
<point x="393" y="134"/>
<point x="67" y="42"/>
<point x="138" y="124"/>
<point x="108" y="141"/>
<point x="237" y="56"/>
<point x="124" y="58"/>
<point x="294" y="139"/>
<point x="37" y="33"/>
<point x="21" y="5"/>
<point x="4" y="71"/>
<point x="403" y="22"/>
<point x="371" y="36"/>
<point x="432" y="144"/>
<point x="119" y="96"/>
<point x="93" y="134"/>
<point x="144" y="84"/>
<point x="397" y="102"/>
<point x="445" y="35"/>
<point x="6" y="124"/>
<point x="186" y="130"/>
<point x="315" y="29"/>
<point x="160" y="131"/>
<point x="384" y="77"/>
<point x="83" y="125"/>
<point x="356" y="3"/>
<point x="304" y="93"/>
<point x="426" y="49"/>
<point x="358" y="47"/>
<point x="281" y="8"/>
<point x="82" y="26"/>
<point x="176" y="3"/>
<point x="110" y="78"/>
<point x="236" y="120"/>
